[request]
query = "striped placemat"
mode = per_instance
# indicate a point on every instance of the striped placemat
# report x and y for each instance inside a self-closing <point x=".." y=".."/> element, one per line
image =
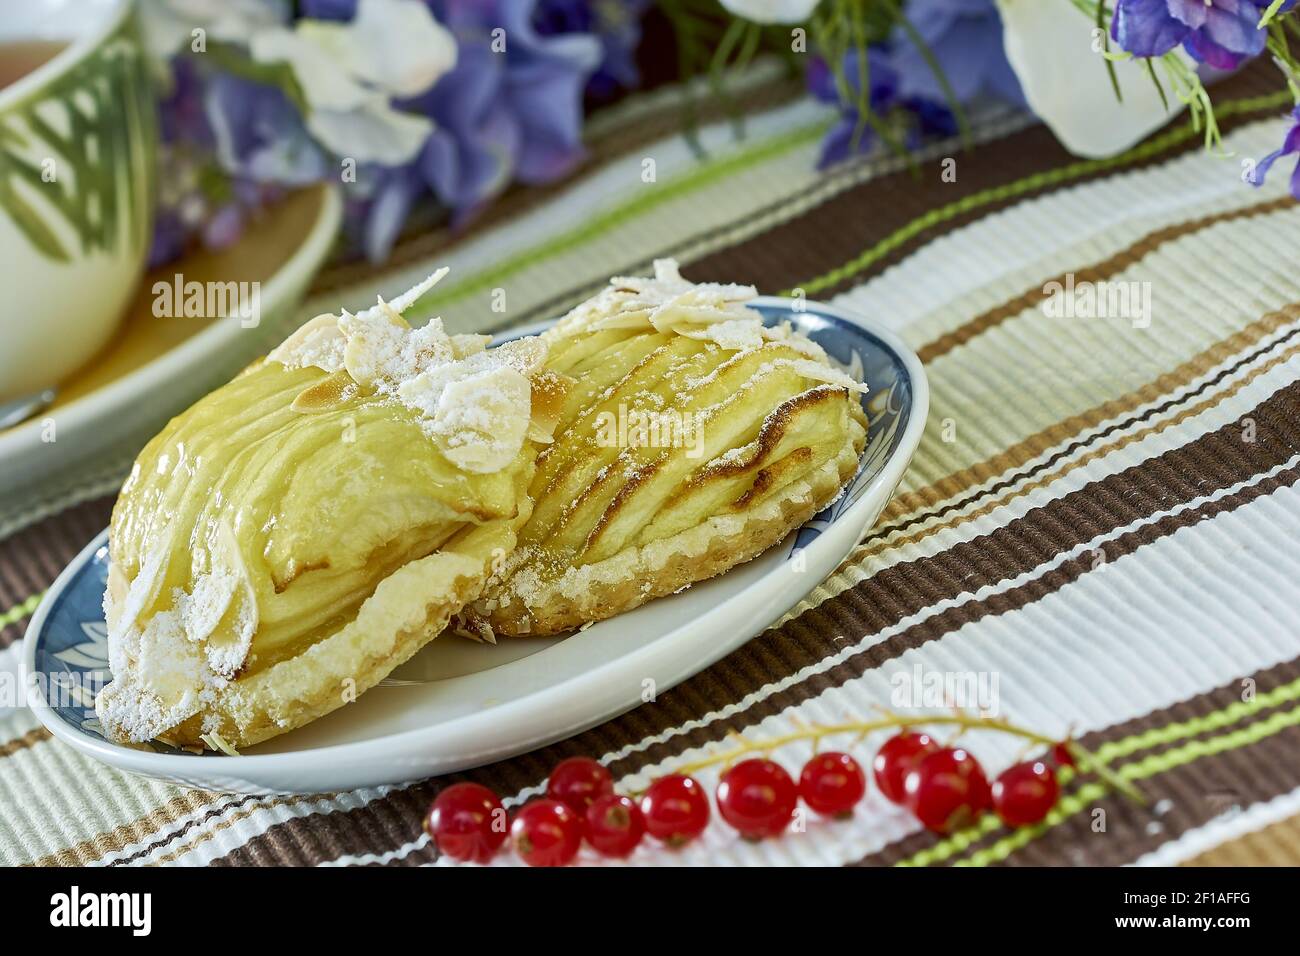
<point x="1102" y="513"/>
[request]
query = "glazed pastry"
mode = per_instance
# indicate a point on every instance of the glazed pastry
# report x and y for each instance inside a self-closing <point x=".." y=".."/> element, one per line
<point x="290" y="539"/>
<point x="693" y="439"/>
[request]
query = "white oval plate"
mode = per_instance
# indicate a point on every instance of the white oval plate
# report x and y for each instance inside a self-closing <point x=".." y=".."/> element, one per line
<point x="457" y="704"/>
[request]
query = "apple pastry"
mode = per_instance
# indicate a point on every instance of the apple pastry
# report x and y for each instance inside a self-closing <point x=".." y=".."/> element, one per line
<point x="693" y="438"/>
<point x="286" y="542"/>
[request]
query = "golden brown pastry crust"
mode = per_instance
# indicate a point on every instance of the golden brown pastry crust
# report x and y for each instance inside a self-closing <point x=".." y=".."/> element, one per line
<point x="636" y="575"/>
<point x="407" y="610"/>
<point x="285" y="543"/>
<point x="770" y="433"/>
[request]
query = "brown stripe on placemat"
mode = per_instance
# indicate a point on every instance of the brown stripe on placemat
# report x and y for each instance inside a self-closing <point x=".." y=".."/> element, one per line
<point x="689" y="706"/>
<point x="1218" y="460"/>
<point x="1098" y="272"/>
<point x="1011" y="486"/>
<point x="915" y="506"/>
<point x="1197" y="791"/>
<point x="1277" y="844"/>
<point x="789" y="254"/>
<point x="221" y="819"/>
<point x="29" y="739"/>
<point x="140" y="830"/>
<point x="390" y="821"/>
<point x="619" y="141"/>
<point x="1193" y="794"/>
<point x="32" y="558"/>
<point x="115" y="840"/>
<point x="901" y="590"/>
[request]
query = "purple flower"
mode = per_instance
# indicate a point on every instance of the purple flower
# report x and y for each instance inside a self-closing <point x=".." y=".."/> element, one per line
<point x="170" y="236"/>
<point x="500" y="116"/>
<point x="373" y="218"/>
<point x="182" y="115"/>
<point x="965" y="37"/>
<point x="850" y="135"/>
<point x="515" y="114"/>
<point x="328" y="9"/>
<point x="615" y="23"/>
<point x="1290" y="146"/>
<point x="229" y="146"/>
<point x="259" y="133"/>
<point x="224" y="227"/>
<point x="1220" y="33"/>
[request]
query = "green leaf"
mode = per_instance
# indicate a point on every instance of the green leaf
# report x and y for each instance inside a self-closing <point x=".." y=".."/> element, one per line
<point x="1270" y="13"/>
<point x="1151" y="72"/>
<point x="1110" y="66"/>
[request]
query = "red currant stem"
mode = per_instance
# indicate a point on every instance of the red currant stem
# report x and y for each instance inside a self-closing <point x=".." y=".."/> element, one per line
<point x="1087" y="761"/>
<point x="1090" y="763"/>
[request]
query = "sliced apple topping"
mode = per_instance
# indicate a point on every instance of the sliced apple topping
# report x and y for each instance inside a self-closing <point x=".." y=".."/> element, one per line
<point x="711" y="312"/>
<point x="325" y="394"/>
<point x="475" y="403"/>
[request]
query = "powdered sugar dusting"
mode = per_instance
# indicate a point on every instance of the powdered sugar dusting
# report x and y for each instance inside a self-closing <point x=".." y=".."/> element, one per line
<point x="317" y="343"/>
<point x="821" y="372"/>
<point x="708" y="311"/>
<point x="207" y="604"/>
<point x="474" y="403"/>
<point x="162" y="675"/>
<point x="479" y="419"/>
<point x="175" y="663"/>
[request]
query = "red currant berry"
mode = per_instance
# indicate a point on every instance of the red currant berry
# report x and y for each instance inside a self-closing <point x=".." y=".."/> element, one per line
<point x="467" y="822"/>
<point x="947" y="789"/>
<point x="579" y="781"/>
<point x="1062" y="755"/>
<point x="1025" y="793"/>
<point x="896" y="757"/>
<point x="615" y="825"/>
<point x="757" y="797"/>
<point x="676" y="809"/>
<point x="546" y="833"/>
<point x="832" y="783"/>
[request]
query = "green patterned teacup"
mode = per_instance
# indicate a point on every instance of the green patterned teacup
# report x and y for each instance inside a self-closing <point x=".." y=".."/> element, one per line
<point x="78" y="136"/>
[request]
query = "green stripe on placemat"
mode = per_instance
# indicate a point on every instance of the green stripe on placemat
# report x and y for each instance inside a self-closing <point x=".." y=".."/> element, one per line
<point x="1092" y="791"/>
<point x="21" y="610"/>
<point x="1029" y="184"/>
<point x="695" y="178"/>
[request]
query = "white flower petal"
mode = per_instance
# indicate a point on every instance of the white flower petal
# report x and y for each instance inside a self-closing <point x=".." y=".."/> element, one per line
<point x="165" y="33"/>
<point x="772" y="11"/>
<point x="169" y="24"/>
<point x="1050" y="46"/>
<point x="312" y="54"/>
<point x="398" y="46"/>
<point x="373" y="133"/>
<point x="238" y="21"/>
